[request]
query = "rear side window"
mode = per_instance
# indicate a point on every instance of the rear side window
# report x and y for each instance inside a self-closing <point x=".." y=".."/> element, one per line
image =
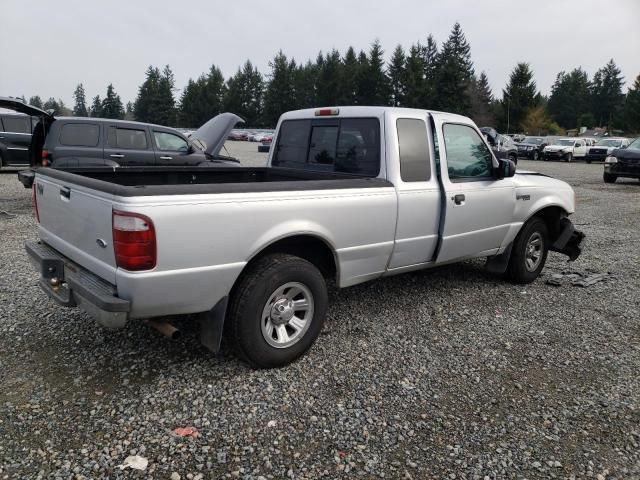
<point x="80" y="135"/>
<point x="17" y="124"/>
<point x="127" y="138"/>
<point x="415" y="165"/>
<point x="349" y="145"/>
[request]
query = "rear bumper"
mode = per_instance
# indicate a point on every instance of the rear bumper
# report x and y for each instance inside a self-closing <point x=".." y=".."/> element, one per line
<point x="70" y="285"/>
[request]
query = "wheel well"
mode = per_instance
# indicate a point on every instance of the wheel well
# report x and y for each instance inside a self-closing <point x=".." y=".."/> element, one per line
<point x="309" y="247"/>
<point x="552" y="217"/>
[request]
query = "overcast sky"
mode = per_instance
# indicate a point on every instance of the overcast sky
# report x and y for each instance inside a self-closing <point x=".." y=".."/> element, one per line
<point x="48" y="47"/>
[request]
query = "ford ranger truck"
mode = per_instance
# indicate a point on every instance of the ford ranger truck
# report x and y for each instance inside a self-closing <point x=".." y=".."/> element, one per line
<point x="349" y="193"/>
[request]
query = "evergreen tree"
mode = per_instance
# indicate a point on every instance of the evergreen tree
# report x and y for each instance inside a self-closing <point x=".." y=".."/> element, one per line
<point x="202" y="99"/>
<point x="519" y="96"/>
<point x="80" y="107"/>
<point x="128" y="112"/>
<point x="570" y="99"/>
<point x="362" y="80"/>
<point x="36" y="101"/>
<point x="57" y="106"/>
<point x="607" y="96"/>
<point x="305" y="80"/>
<point x="243" y="94"/>
<point x="376" y="87"/>
<point x="481" y="98"/>
<point x="280" y="93"/>
<point x="328" y="85"/>
<point x="112" y="105"/>
<point x="96" y="107"/>
<point x="632" y="107"/>
<point x="453" y="74"/>
<point x="348" y="80"/>
<point x="398" y="77"/>
<point x="430" y="68"/>
<point x="155" y="102"/>
<point x="415" y="84"/>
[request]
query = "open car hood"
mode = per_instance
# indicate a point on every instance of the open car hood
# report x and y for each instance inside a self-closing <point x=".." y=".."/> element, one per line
<point x="18" y="105"/>
<point x="211" y="136"/>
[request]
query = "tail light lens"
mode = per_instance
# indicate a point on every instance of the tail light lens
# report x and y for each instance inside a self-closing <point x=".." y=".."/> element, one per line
<point x="34" y="201"/>
<point x="134" y="241"/>
<point x="45" y="157"/>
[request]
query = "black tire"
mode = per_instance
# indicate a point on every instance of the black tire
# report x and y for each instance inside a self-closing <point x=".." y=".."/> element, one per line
<point x="536" y="155"/>
<point x="609" y="178"/>
<point x="519" y="271"/>
<point x="588" y="160"/>
<point x="568" y="157"/>
<point x="256" y="287"/>
<point x="513" y="157"/>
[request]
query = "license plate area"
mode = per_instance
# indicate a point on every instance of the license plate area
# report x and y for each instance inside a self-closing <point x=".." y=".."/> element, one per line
<point x="52" y="268"/>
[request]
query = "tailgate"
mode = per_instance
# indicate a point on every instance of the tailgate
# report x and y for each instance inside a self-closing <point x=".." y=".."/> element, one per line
<point x="76" y="221"/>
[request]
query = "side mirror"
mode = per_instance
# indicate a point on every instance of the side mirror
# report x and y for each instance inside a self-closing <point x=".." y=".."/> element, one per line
<point x="506" y="168"/>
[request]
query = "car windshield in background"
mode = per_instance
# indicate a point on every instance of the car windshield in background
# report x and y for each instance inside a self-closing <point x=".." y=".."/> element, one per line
<point x="565" y="142"/>
<point x="609" y="142"/>
<point x="535" y="140"/>
<point x="635" y="145"/>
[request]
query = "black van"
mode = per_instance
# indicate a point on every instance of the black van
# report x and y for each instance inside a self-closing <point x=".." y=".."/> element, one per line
<point x="67" y="142"/>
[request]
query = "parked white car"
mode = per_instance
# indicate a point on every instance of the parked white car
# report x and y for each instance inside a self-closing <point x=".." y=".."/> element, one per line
<point x="565" y="149"/>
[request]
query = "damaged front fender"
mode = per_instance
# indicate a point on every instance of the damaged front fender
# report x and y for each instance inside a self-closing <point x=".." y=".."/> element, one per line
<point x="569" y="242"/>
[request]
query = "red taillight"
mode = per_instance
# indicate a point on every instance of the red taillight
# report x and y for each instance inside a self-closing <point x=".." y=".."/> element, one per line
<point x="327" y="112"/>
<point x="34" y="201"/>
<point x="134" y="241"/>
<point x="45" y="158"/>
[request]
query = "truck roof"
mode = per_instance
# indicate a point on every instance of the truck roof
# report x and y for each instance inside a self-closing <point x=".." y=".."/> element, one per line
<point x="368" y="112"/>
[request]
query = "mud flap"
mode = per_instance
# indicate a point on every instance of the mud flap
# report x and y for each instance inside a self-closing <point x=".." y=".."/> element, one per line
<point x="498" y="263"/>
<point x="211" y="325"/>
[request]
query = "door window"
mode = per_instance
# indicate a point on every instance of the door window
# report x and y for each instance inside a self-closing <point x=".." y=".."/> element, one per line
<point x="171" y="142"/>
<point x="468" y="158"/>
<point x="17" y="124"/>
<point x="414" y="150"/>
<point x="127" y="138"/>
<point x="79" y="135"/>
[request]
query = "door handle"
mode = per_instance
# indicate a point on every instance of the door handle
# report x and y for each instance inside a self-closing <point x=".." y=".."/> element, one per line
<point x="458" y="199"/>
<point x="66" y="193"/>
<point x="166" y="158"/>
<point x="116" y="155"/>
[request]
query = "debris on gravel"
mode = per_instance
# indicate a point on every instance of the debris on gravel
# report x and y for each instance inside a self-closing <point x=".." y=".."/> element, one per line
<point x="451" y="373"/>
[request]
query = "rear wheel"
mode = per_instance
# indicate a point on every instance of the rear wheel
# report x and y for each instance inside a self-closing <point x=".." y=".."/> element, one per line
<point x="277" y="310"/>
<point x="536" y="155"/>
<point x="529" y="252"/>
<point x="588" y="160"/>
<point x="609" y="178"/>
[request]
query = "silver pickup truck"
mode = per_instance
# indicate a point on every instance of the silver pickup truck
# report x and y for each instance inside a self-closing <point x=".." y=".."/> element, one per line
<point x="350" y="194"/>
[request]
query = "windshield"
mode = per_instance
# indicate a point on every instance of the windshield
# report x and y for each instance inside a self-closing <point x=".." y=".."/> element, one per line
<point x="609" y="142"/>
<point x="565" y="142"/>
<point x="536" y="140"/>
<point x="635" y="145"/>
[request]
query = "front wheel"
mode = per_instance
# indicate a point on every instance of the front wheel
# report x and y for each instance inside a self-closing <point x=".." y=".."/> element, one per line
<point x="588" y="160"/>
<point x="529" y="252"/>
<point x="568" y="157"/>
<point x="513" y="158"/>
<point x="536" y="155"/>
<point x="277" y="310"/>
<point x="609" y="178"/>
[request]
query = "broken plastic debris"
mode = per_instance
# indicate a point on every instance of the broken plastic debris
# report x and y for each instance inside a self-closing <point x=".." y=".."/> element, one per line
<point x="578" y="279"/>
<point x="186" y="432"/>
<point x="135" y="462"/>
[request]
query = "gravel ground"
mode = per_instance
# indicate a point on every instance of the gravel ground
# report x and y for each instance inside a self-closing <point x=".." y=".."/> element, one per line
<point x="450" y="373"/>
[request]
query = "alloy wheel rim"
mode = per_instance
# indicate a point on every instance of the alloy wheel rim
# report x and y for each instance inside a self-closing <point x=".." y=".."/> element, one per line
<point x="533" y="252"/>
<point x="287" y="315"/>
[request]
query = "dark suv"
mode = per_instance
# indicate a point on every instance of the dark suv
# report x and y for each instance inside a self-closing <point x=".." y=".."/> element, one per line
<point x="67" y="142"/>
<point x="15" y="138"/>
<point x="531" y="147"/>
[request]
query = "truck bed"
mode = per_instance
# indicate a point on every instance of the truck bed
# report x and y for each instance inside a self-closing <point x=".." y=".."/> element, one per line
<point x="144" y="181"/>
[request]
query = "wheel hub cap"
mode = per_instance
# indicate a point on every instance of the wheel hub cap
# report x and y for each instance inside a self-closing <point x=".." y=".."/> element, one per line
<point x="287" y="315"/>
<point x="282" y="311"/>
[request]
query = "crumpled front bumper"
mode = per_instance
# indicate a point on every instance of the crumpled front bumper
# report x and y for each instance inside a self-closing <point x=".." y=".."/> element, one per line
<point x="569" y="242"/>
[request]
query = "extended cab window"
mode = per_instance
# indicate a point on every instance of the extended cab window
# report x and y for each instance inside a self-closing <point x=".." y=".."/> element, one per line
<point x="17" y="124"/>
<point x="127" y="138"/>
<point x="414" y="150"/>
<point x="349" y="145"/>
<point x="79" y="134"/>
<point x="468" y="158"/>
<point x="171" y="142"/>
